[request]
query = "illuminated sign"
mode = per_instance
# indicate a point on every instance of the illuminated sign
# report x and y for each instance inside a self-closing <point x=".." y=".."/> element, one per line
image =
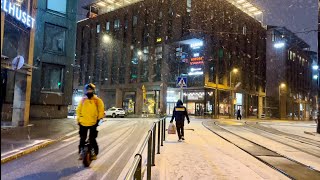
<point x="159" y="39"/>
<point x="196" y="45"/>
<point x="196" y="60"/>
<point x="196" y="55"/>
<point x="15" y="11"/>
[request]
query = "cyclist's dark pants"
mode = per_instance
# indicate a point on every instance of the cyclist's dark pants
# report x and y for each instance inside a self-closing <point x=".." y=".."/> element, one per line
<point x="92" y="137"/>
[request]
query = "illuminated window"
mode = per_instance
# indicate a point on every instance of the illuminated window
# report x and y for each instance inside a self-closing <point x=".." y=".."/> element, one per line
<point x="98" y="28"/>
<point x="189" y="5"/>
<point x="117" y="24"/>
<point x="108" y="26"/>
<point x="244" y="30"/>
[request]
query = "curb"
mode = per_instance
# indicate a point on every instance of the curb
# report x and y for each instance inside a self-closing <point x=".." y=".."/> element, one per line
<point x="36" y="147"/>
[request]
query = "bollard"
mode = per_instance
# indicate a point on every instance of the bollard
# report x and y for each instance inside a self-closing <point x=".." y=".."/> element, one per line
<point x="153" y="143"/>
<point x="158" y="137"/>
<point x="137" y="174"/>
<point x="149" y="157"/>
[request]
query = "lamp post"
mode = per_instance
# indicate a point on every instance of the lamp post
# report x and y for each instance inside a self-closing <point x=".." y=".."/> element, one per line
<point x="235" y="70"/>
<point x="315" y="76"/>
<point x="281" y="86"/>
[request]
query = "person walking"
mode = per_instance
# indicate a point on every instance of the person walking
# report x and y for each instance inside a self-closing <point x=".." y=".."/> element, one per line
<point x="238" y="114"/>
<point x="179" y="114"/>
<point x="90" y="110"/>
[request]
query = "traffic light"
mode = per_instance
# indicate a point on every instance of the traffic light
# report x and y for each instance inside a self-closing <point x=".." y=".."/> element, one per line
<point x="59" y="84"/>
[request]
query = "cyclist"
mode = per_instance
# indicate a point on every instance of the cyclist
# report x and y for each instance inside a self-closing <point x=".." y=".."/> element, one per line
<point x="90" y="110"/>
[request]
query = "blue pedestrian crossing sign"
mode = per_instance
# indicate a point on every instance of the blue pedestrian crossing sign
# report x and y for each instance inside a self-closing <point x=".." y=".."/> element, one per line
<point x="182" y="82"/>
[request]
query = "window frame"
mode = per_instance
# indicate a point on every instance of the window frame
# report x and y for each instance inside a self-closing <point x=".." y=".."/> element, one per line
<point x="62" y="75"/>
<point x="63" y="53"/>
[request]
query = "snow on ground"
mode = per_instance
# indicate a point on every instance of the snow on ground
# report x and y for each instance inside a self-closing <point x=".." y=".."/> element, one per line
<point x="297" y="128"/>
<point x="205" y="156"/>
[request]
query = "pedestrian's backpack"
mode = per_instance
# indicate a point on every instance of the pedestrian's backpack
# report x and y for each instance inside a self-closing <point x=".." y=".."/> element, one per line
<point x="95" y="101"/>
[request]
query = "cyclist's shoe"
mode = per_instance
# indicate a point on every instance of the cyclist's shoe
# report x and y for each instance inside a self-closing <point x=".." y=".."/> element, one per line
<point x="80" y="154"/>
<point x="93" y="155"/>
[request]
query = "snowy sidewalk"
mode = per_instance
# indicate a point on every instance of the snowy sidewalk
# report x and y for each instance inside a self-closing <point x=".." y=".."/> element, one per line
<point x="205" y="156"/>
<point x="41" y="131"/>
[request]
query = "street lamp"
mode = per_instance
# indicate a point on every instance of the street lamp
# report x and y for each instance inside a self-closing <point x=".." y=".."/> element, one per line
<point x="281" y="86"/>
<point x="279" y="45"/>
<point x="235" y="71"/>
<point x="106" y="38"/>
<point x="139" y="53"/>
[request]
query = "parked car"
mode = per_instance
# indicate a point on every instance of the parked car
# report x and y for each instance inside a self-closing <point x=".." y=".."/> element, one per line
<point x="115" y="112"/>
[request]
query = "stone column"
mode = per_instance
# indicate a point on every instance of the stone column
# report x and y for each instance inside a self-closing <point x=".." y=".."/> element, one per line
<point x="119" y="97"/>
<point x="19" y="100"/>
<point x="139" y="101"/>
<point x="260" y="106"/>
<point x="163" y="98"/>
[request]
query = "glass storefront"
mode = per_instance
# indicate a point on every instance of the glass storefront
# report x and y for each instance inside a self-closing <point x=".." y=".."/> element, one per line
<point x="224" y="103"/>
<point x="153" y="101"/>
<point x="129" y="100"/>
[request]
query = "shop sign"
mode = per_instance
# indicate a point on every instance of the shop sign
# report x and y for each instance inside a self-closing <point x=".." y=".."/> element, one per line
<point x="196" y="60"/>
<point x="15" y="11"/>
<point x="196" y="45"/>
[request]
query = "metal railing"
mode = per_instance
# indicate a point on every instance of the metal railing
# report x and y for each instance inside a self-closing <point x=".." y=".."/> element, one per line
<point x="135" y="172"/>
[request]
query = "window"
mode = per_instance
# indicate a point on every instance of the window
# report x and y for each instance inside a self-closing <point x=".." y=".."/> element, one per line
<point x="52" y="77"/>
<point x="244" y="30"/>
<point x="117" y="24"/>
<point x="108" y="26"/>
<point x="134" y="21"/>
<point x="98" y="28"/>
<point x="273" y="38"/>
<point x="189" y="5"/>
<point x="55" y="38"/>
<point x="58" y="6"/>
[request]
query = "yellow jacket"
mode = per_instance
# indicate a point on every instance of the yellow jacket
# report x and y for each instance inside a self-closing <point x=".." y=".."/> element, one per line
<point x="90" y="110"/>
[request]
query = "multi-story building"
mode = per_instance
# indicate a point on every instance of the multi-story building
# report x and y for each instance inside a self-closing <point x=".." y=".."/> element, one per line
<point x="39" y="36"/>
<point x="218" y="46"/>
<point x="289" y="74"/>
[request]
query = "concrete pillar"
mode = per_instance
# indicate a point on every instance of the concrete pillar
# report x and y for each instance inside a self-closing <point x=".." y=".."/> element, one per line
<point x="119" y="97"/>
<point x="283" y="106"/>
<point x="163" y="98"/>
<point x="139" y="101"/>
<point x="260" y="106"/>
<point x="19" y="100"/>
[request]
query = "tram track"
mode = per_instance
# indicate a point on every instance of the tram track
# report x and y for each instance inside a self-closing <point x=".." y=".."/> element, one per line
<point x="285" y="165"/>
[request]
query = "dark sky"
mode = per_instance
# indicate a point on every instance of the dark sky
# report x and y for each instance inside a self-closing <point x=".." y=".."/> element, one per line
<point x="296" y="15"/>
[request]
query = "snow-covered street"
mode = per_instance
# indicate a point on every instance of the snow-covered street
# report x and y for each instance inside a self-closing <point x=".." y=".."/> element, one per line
<point x="204" y="155"/>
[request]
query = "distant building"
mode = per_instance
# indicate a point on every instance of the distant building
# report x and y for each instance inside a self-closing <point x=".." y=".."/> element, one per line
<point x="289" y="75"/>
<point x="217" y="47"/>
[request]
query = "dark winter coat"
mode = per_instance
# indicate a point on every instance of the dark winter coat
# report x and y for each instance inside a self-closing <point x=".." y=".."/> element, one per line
<point x="179" y="114"/>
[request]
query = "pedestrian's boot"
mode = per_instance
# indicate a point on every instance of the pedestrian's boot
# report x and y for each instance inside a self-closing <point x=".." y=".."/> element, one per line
<point x="182" y="138"/>
<point x="179" y="140"/>
<point x="93" y="155"/>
